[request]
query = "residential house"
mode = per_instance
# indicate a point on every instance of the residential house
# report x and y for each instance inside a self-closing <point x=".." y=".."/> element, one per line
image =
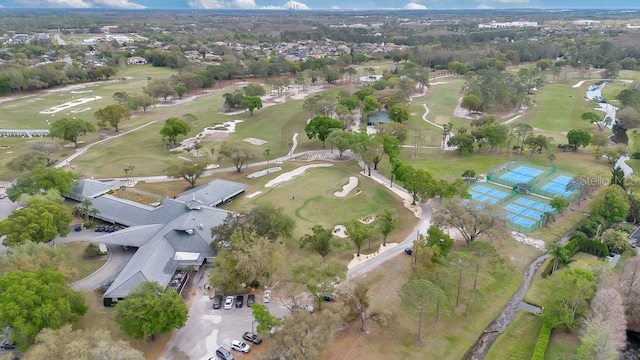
<point x="136" y="60"/>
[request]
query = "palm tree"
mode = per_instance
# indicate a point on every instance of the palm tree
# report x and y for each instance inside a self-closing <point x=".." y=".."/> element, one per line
<point x="560" y="256"/>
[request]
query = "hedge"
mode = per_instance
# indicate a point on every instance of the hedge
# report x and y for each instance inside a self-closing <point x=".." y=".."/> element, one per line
<point x="543" y="341"/>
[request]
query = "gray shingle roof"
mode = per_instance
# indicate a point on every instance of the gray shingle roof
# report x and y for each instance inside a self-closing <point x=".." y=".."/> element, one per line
<point x="89" y="189"/>
<point x="213" y="193"/>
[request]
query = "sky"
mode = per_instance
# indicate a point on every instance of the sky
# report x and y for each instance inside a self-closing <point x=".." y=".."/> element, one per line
<point x="325" y="4"/>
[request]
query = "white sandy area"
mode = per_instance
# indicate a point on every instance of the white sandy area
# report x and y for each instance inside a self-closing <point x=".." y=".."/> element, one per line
<point x="579" y="84"/>
<point x="81" y="91"/>
<point x="219" y="130"/>
<point x="174" y="102"/>
<point x="358" y="260"/>
<point x="70" y="104"/>
<point x="346" y="189"/>
<point x="292" y="174"/>
<point x="340" y="231"/>
<point x="438" y="83"/>
<point x="524" y="239"/>
<point x="254" y="141"/>
<point x="254" y="194"/>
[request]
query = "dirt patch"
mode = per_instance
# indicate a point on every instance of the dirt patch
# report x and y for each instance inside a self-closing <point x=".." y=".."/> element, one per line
<point x="254" y="141"/>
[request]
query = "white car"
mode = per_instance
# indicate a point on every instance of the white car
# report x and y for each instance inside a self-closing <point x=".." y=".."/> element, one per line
<point x="228" y="303"/>
<point x="267" y="296"/>
<point x="238" y="345"/>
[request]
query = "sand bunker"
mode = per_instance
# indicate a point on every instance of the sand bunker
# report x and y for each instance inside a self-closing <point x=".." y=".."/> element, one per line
<point x="353" y="182"/>
<point x="252" y="195"/>
<point x="340" y="231"/>
<point x="292" y="174"/>
<point x="254" y="141"/>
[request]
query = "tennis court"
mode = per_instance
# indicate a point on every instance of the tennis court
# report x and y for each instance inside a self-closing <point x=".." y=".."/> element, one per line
<point x="523" y="211"/>
<point x="490" y="191"/>
<point x="521" y="174"/>
<point x="519" y="220"/>
<point x="534" y="204"/>
<point x="558" y="186"/>
<point x="482" y="198"/>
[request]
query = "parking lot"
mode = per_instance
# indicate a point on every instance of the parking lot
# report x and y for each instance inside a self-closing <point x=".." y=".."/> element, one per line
<point x="207" y="329"/>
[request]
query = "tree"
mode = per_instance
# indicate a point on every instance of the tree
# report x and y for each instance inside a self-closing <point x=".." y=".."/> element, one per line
<point x="350" y="102"/>
<point x="42" y="180"/>
<point x="251" y="103"/>
<point x="464" y="143"/>
<point x="150" y="310"/>
<point x="27" y="161"/>
<point x="111" y="115"/>
<point x="237" y="152"/>
<point x="579" y="137"/>
<point x="604" y="330"/>
<point x="320" y="126"/>
<point x="301" y="336"/>
<point x="321" y="240"/>
<point x="70" y="129"/>
<point x="263" y="221"/>
<point x="356" y="302"/>
<point x="39" y="221"/>
<point x="254" y="90"/>
<point x="419" y="296"/>
<point x="469" y="219"/>
<point x="600" y="139"/>
<point x="613" y="69"/>
<point x="369" y="104"/>
<point x="33" y="300"/>
<point x="32" y="256"/>
<point x="398" y="114"/>
<point x="143" y="101"/>
<point x="318" y="276"/>
<point x="180" y="91"/>
<point x="629" y="97"/>
<point x="440" y="239"/>
<point x="65" y="343"/>
<point x="341" y="139"/>
<point x="471" y="103"/>
<point x="386" y="222"/>
<point x="537" y="143"/>
<point x="266" y="321"/>
<point x="613" y="206"/>
<point x="358" y="233"/>
<point x="172" y="128"/>
<point x="628" y="118"/>
<point x="159" y="88"/>
<point x="592" y="118"/>
<point x="559" y="203"/>
<point x="616" y="240"/>
<point x="188" y="170"/>
<point x="567" y="299"/>
<point x="418" y="182"/>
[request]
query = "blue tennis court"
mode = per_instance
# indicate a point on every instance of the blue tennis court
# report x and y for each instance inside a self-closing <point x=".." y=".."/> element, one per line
<point x="490" y="191"/>
<point x="558" y="186"/>
<point x="534" y="204"/>
<point x="521" y="174"/>
<point x="519" y="220"/>
<point x="483" y="198"/>
<point x="523" y="211"/>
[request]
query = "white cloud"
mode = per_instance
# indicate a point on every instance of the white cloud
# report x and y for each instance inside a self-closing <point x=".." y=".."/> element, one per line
<point x="484" y="7"/>
<point x="124" y="4"/>
<point x="414" y="6"/>
<point x="510" y="1"/>
<point x="291" y="4"/>
<point x="223" y="4"/>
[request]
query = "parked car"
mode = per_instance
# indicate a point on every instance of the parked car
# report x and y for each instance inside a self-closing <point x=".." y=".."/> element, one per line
<point x="99" y="228"/>
<point x="228" y="303"/>
<point x="239" y="301"/>
<point x="251" y="337"/>
<point x="238" y="345"/>
<point x="77" y="227"/>
<point x="217" y="301"/>
<point x="223" y="354"/>
<point x="408" y="251"/>
<point x="329" y="297"/>
<point x="251" y="299"/>
<point x="9" y="346"/>
<point x="266" y="297"/>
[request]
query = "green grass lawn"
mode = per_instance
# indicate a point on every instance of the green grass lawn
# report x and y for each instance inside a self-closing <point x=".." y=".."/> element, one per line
<point x="519" y="339"/>
<point x="85" y="266"/>
<point x="562" y="345"/>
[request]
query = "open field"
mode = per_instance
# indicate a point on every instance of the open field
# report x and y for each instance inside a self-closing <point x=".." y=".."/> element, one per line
<point x="519" y="340"/>
<point x="84" y="266"/>
<point x="561" y="345"/>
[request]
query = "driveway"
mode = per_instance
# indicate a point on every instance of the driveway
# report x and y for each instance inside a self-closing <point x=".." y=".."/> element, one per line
<point x="118" y="259"/>
<point x="208" y="329"/>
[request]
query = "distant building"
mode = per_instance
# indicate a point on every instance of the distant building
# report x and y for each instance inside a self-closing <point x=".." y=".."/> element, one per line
<point x="136" y="60"/>
<point x="510" y="24"/>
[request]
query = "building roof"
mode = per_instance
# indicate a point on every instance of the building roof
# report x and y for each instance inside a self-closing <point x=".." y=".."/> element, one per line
<point x="176" y="233"/>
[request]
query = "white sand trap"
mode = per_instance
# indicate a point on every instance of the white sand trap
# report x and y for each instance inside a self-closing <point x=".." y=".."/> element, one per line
<point x="252" y="195"/>
<point x="254" y="141"/>
<point x="438" y="83"/>
<point x="578" y="84"/>
<point x="340" y="231"/>
<point x="292" y="174"/>
<point x="353" y="182"/>
<point x="70" y="104"/>
<point x="77" y="111"/>
<point x="81" y="91"/>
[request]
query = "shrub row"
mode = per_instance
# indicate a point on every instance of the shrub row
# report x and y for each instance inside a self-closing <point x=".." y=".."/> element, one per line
<point x="580" y="242"/>
<point x="543" y="341"/>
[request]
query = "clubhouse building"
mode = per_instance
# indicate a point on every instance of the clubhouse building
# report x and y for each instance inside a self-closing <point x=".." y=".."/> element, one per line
<point x="169" y="237"/>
